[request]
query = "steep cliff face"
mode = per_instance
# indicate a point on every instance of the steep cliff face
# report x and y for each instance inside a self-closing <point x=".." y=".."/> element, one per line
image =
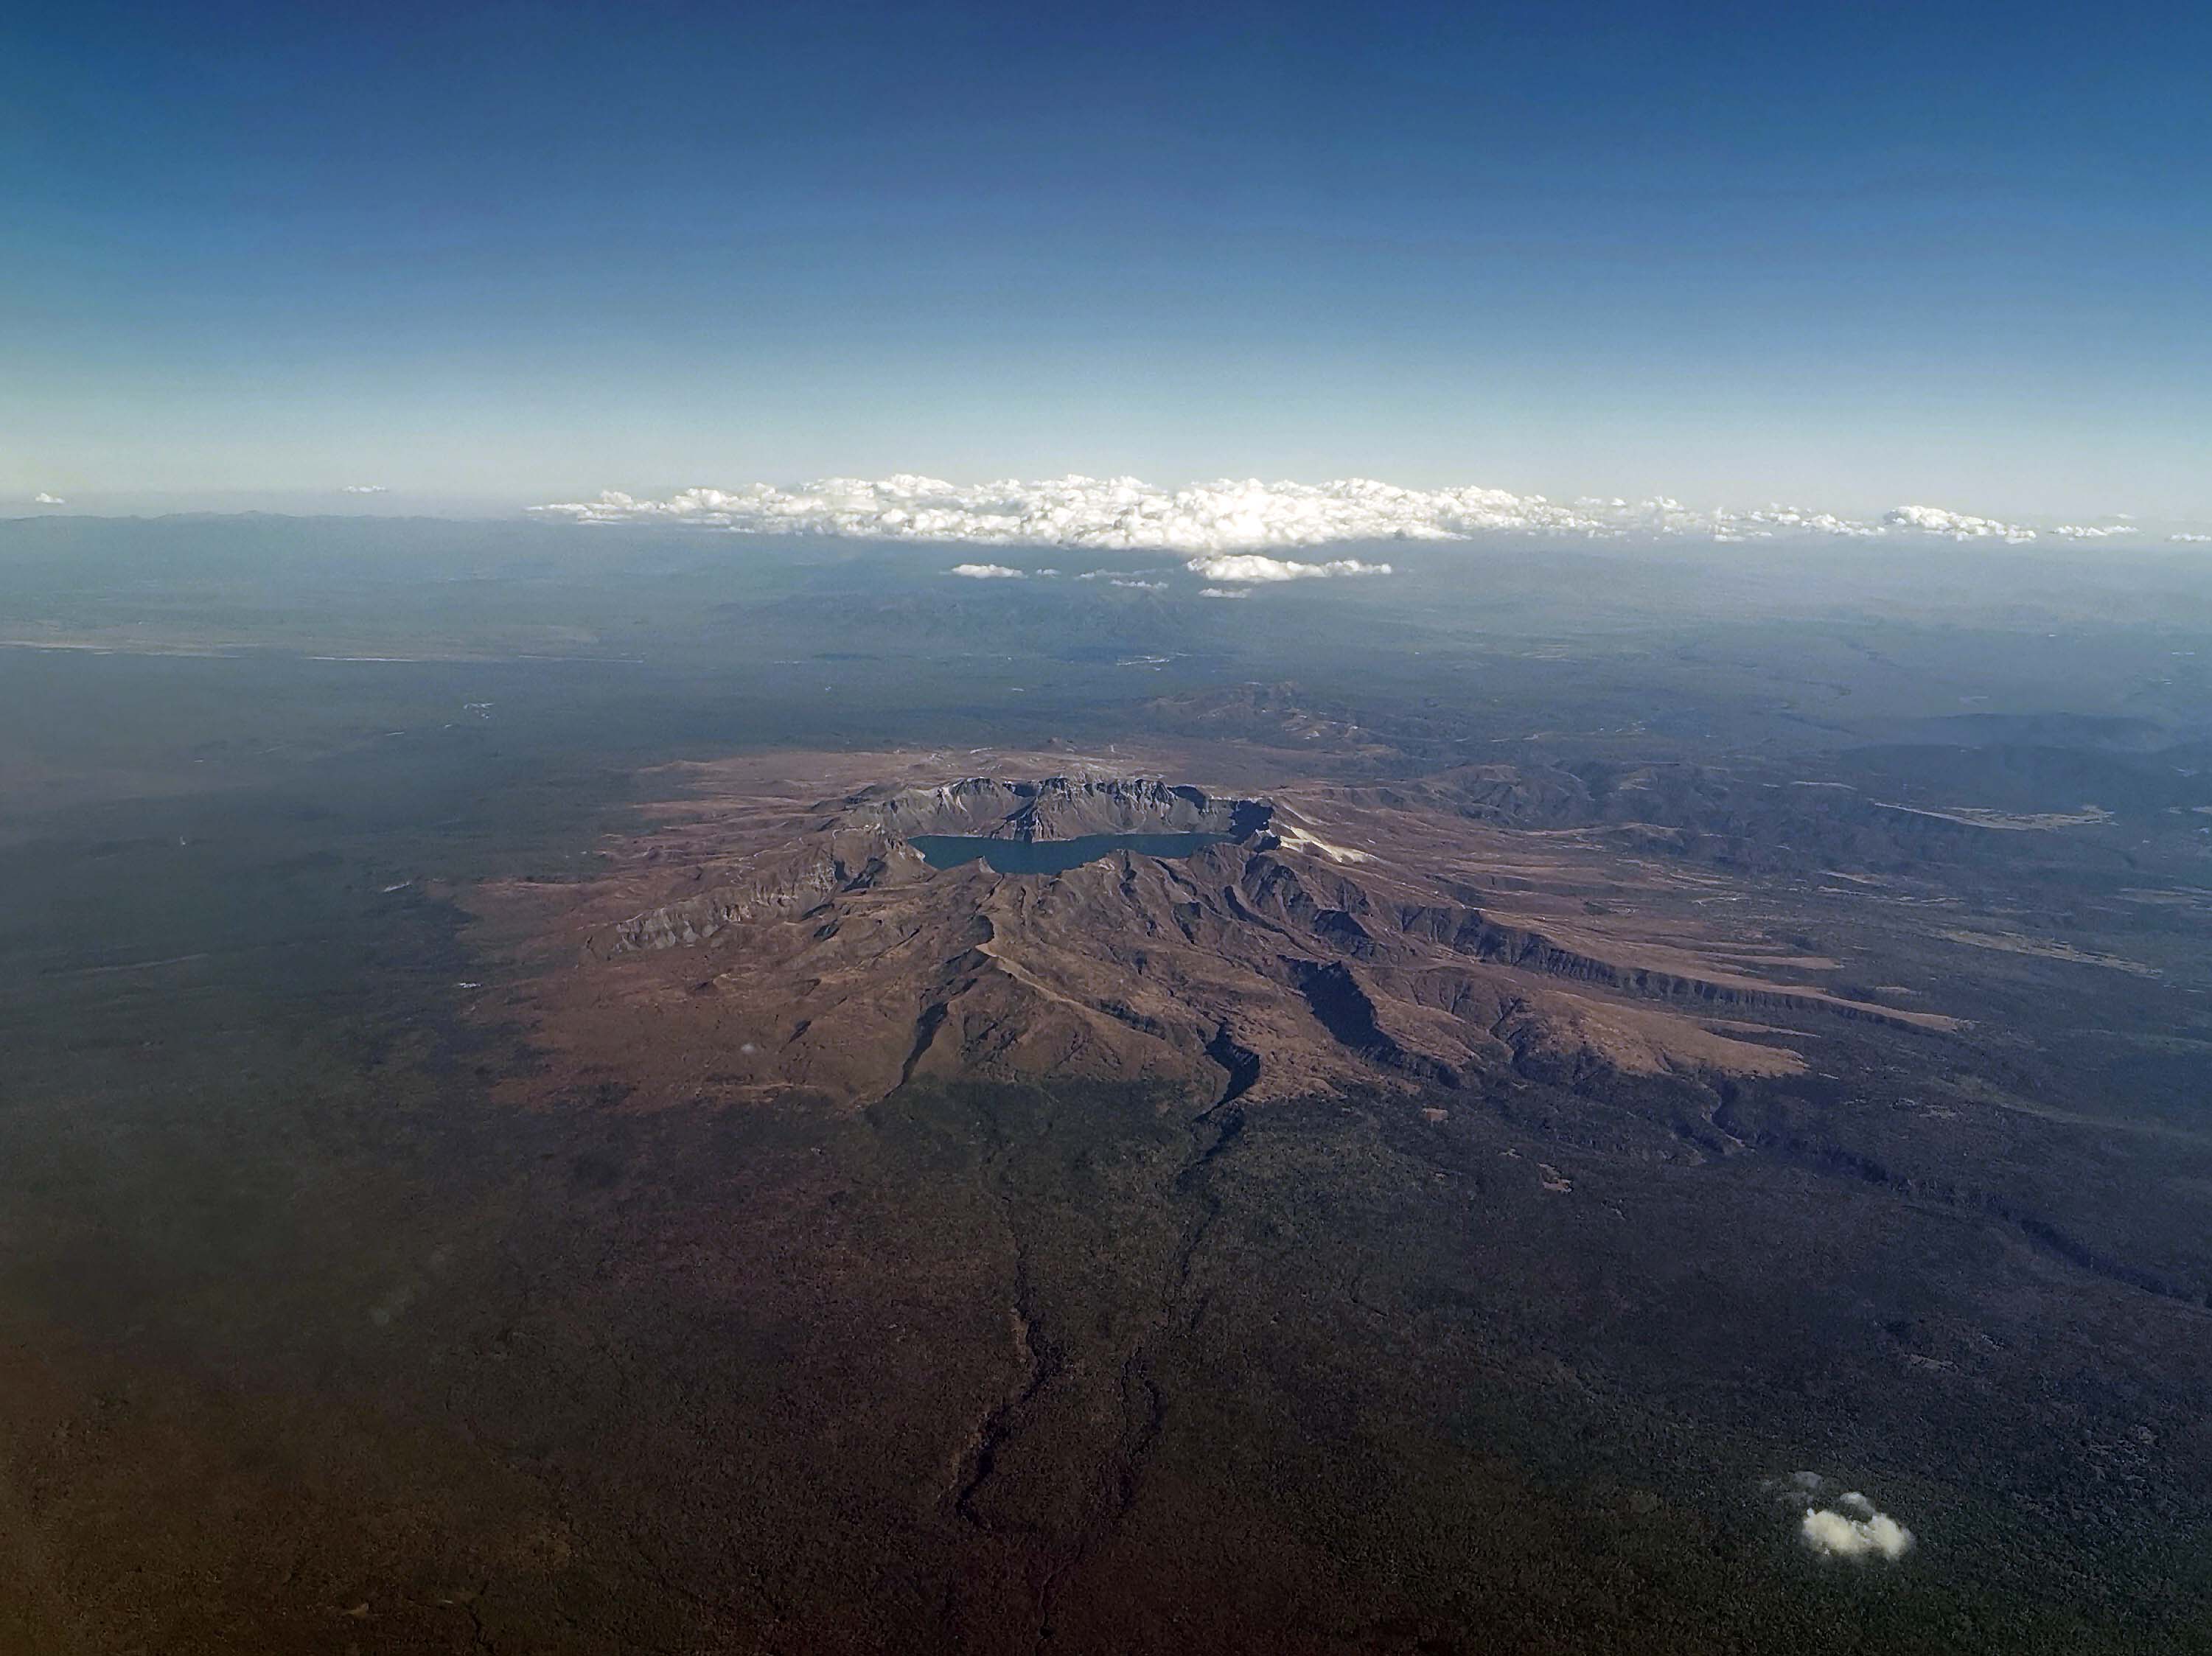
<point x="778" y="885"/>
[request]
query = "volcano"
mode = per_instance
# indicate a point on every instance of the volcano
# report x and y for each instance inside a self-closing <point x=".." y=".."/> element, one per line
<point x="764" y="936"/>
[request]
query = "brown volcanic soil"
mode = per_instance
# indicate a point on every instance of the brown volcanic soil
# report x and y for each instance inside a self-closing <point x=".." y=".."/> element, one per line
<point x="772" y="928"/>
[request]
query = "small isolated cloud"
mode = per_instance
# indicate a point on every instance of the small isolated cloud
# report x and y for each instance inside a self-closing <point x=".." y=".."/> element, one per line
<point x="1140" y="585"/>
<point x="44" y="499"/>
<point x="2191" y="538"/>
<point x="1856" y="1530"/>
<point x="986" y="571"/>
<point x="1847" y="1526"/>
<point x="2090" y="532"/>
<point x="1255" y="567"/>
<point x="1224" y="592"/>
<point x="362" y="488"/>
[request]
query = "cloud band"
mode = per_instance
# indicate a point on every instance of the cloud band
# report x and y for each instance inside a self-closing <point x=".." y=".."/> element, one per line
<point x="1208" y="522"/>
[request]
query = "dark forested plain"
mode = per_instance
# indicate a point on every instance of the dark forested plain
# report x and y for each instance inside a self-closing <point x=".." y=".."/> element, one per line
<point x="334" y="1317"/>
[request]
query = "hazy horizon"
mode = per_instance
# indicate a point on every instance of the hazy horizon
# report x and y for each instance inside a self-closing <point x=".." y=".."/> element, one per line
<point x="1610" y="512"/>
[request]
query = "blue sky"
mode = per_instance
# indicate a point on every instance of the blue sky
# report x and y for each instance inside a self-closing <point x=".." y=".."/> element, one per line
<point x="1848" y="256"/>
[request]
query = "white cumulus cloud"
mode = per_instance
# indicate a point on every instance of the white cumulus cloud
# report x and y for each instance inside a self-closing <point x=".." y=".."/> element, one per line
<point x="1230" y="516"/>
<point x="362" y="488"/>
<point x="1769" y="521"/>
<point x="2197" y="539"/>
<point x="986" y="571"/>
<point x="1957" y="525"/>
<point x="44" y="499"/>
<point x="2091" y="532"/>
<point x="1255" y="567"/>
<point x="1857" y="1530"/>
<point x="1118" y="512"/>
<point x="1224" y="591"/>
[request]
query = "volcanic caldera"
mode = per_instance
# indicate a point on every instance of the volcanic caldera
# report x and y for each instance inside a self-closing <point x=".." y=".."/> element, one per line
<point x="775" y="928"/>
